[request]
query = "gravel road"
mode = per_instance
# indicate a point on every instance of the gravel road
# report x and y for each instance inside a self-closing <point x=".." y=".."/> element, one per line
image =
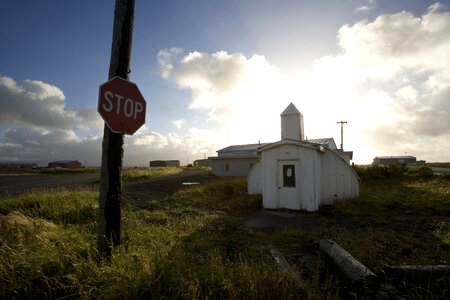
<point x="136" y="193"/>
<point x="26" y="183"/>
<point x="440" y="170"/>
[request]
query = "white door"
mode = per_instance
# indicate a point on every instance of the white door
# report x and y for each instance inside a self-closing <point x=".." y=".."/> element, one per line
<point x="288" y="184"/>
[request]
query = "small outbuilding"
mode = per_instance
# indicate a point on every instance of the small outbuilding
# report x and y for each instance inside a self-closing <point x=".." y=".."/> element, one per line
<point x="235" y="160"/>
<point x="382" y="160"/>
<point x="202" y="163"/>
<point x="297" y="174"/>
<point x="69" y="164"/>
<point x="18" y="164"/>
<point x="164" y="163"/>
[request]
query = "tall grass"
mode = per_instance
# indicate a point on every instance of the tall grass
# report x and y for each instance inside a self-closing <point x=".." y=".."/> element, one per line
<point x="187" y="246"/>
<point x="394" y="170"/>
<point x="57" y="171"/>
<point x="192" y="245"/>
<point x="50" y="171"/>
<point x="145" y="173"/>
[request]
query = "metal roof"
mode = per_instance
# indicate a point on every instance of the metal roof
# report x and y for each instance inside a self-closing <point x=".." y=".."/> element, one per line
<point x="290" y="110"/>
<point x="289" y="142"/>
<point x="327" y="142"/>
<point x="246" y="147"/>
<point x="400" y="156"/>
<point x="303" y="144"/>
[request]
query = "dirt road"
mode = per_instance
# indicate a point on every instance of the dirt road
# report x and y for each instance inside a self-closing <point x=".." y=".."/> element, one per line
<point x="136" y="193"/>
<point x="440" y="170"/>
<point x="25" y="183"/>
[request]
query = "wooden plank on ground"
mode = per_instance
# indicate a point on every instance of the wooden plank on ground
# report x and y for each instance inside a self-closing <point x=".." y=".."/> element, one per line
<point x="283" y="264"/>
<point x="417" y="274"/>
<point x="354" y="272"/>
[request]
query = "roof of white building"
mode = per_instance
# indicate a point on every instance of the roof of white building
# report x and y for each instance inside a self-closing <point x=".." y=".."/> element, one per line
<point x="290" y="110"/>
<point x="303" y="144"/>
<point x="245" y="147"/>
<point x="251" y="149"/>
<point x="327" y="142"/>
<point x="399" y="156"/>
<point x="246" y="150"/>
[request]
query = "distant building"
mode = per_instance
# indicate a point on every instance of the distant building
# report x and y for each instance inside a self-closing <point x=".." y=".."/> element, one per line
<point x="202" y="163"/>
<point x="18" y="164"/>
<point x="382" y="160"/>
<point x="69" y="164"/>
<point x="235" y="160"/>
<point x="164" y="163"/>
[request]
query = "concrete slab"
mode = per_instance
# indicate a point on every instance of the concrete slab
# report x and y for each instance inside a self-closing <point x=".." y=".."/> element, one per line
<point x="271" y="220"/>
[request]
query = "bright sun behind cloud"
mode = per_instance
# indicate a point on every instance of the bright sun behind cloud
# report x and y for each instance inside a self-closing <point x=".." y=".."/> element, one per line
<point x="367" y="84"/>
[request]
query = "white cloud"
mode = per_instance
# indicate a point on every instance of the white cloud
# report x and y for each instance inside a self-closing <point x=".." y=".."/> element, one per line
<point x="33" y="103"/>
<point x="371" y="4"/>
<point x="363" y="8"/>
<point x="48" y="145"/>
<point x="88" y="119"/>
<point x="179" y="123"/>
<point x="376" y="61"/>
<point x="142" y="148"/>
<point x="408" y="94"/>
<point x="58" y="144"/>
<point x="395" y="43"/>
<point x="39" y="128"/>
<point x="391" y="81"/>
<point x="243" y="95"/>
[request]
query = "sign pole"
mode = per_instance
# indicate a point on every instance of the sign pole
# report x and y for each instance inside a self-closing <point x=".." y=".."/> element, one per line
<point x="113" y="143"/>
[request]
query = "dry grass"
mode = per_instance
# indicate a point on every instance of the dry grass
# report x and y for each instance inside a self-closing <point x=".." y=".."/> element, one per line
<point x="145" y="173"/>
<point x="192" y="245"/>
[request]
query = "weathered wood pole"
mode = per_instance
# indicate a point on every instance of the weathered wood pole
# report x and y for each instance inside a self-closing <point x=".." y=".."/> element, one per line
<point x="418" y="274"/>
<point x="113" y="143"/>
<point x="283" y="264"/>
<point x="354" y="272"/>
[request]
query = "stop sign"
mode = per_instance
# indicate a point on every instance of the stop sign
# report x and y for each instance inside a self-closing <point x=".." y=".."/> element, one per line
<point x="121" y="105"/>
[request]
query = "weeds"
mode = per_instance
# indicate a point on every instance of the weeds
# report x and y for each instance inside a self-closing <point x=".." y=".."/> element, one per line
<point x="192" y="244"/>
<point x="145" y="173"/>
<point x="57" y="171"/>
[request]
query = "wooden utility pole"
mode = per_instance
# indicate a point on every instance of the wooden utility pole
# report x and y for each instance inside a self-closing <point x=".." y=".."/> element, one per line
<point x="113" y="143"/>
<point x="342" y="133"/>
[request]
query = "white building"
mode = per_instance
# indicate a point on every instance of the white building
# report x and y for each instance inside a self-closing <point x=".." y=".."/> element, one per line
<point x="236" y="160"/>
<point x="298" y="174"/>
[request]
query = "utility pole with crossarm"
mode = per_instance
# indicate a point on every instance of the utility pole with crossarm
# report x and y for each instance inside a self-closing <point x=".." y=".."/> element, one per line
<point x="342" y="133"/>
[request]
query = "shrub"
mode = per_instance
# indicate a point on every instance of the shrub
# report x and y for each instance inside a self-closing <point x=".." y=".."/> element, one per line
<point x="421" y="172"/>
<point x="395" y="170"/>
<point x="392" y="170"/>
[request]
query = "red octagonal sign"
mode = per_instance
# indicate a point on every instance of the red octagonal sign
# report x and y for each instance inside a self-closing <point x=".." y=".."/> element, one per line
<point x="121" y="105"/>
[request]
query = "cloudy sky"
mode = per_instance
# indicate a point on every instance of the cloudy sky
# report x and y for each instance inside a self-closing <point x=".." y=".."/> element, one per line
<point x="220" y="72"/>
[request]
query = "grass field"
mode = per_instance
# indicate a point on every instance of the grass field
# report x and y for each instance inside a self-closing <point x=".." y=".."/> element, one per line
<point x="128" y="174"/>
<point x="48" y="171"/>
<point x="192" y="245"/>
<point x="145" y="173"/>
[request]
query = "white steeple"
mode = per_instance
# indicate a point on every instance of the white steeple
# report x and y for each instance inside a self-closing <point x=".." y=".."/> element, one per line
<point x="292" y="124"/>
